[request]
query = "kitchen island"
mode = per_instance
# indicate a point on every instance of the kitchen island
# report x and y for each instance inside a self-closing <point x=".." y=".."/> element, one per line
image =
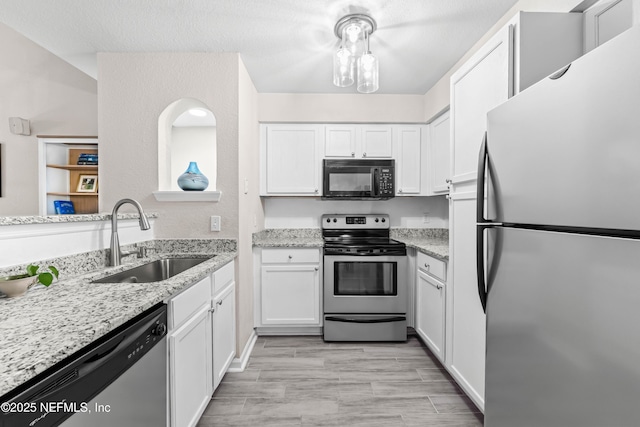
<point x="46" y="325"/>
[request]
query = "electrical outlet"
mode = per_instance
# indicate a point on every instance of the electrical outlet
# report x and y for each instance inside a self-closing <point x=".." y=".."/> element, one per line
<point x="425" y="218"/>
<point x="215" y="223"/>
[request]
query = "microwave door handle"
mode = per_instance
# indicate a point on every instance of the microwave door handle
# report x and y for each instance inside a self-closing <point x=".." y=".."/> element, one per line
<point x="376" y="179"/>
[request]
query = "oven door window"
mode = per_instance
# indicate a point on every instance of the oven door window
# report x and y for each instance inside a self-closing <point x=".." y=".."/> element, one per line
<point x="365" y="278"/>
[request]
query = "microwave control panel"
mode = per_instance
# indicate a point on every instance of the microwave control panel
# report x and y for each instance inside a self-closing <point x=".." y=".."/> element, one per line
<point x="386" y="182"/>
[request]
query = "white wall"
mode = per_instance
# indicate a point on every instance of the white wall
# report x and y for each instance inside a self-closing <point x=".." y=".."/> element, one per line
<point x="336" y="108"/>
<point x="250" y="209"/>
<point x="22" y="244"/>
<point x="133" y="90"/>
<point x="305" y="212"/>
<point x="57" y="98"/>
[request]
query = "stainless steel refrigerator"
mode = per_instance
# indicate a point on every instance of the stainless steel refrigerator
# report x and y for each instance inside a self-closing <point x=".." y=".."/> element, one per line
<point x="559" y="246"/>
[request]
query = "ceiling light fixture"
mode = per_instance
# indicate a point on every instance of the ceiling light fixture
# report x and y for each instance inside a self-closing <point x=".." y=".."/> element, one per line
<point x="354" y="56"/>
<point x="197" y="112"/>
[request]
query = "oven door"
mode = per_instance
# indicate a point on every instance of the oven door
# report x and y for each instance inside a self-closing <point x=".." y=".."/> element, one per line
<point x="365" y="284"/>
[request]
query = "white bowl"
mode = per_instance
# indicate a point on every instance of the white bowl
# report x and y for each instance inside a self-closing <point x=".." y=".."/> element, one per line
<point x="14" y="286"/>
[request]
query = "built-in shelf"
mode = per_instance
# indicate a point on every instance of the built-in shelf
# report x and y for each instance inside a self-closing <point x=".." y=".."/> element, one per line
<point x="53" y="193"/>
<point x="59" y="175"/>
<point x="187" y="196"/>
<point x="86" y="168"/>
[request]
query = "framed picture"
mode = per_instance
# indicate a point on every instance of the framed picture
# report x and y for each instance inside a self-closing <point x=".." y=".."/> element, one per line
<point x="87" y="184"/>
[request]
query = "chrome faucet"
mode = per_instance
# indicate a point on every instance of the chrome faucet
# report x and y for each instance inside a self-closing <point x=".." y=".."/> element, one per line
<point x="115" y="257"/>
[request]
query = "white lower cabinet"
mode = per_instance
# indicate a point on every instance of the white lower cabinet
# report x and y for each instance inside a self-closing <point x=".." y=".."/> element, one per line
<point x="289" y="291"/>
<point x="430" y="303"/>
<point x="201" y="344"/>
<point x="224" y="322"/>
<point x="190" y="361"/>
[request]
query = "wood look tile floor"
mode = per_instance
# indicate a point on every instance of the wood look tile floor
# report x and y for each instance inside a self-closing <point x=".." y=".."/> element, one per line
<point x="303" y="381"/>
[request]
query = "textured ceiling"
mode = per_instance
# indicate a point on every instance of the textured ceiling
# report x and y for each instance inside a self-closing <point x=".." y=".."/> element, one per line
<point x="286" y="45"/>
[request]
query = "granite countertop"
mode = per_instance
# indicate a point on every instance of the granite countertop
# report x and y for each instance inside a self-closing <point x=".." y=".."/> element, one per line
<point x="431" y="241"/>
<point x="55" y="219"/>
<point x="288" y="237"/>
<point x="46" y="325"/>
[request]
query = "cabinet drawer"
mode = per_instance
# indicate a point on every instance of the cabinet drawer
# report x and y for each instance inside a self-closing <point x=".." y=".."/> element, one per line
<point x="289" y="256"/>
<point x="187" y="303"/>
<point x="432" y="266"/>
<point x="223" y="277"/>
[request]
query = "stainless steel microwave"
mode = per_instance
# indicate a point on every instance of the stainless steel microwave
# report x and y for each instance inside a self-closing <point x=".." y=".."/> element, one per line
<point x="356" y="179"/>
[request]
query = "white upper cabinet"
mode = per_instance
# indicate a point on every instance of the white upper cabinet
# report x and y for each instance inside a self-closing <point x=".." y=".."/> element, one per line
<point x="410" y="151"/>
<point x="376" y="141"/>
<point x="340" y="141"/>
<point x="606" y="19"/>
<point x="290" y="160"/>
<point x="358" y="141"/>
<point x="438" y="158"/>
<point x="532" y="46"/>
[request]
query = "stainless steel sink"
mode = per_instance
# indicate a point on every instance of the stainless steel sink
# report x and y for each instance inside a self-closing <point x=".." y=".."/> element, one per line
<point x="153" y="271"/>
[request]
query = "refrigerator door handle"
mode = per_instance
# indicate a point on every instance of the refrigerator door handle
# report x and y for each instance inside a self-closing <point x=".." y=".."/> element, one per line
<point x="481" y="222"/>
<point x="480" y="270"/>
<point x="480" y="182"/>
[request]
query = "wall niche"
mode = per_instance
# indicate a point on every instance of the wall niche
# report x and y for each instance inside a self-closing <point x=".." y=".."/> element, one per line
<point x="186" y="133"/>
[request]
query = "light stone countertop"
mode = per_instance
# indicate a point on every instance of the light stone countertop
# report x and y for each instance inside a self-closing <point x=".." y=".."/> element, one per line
<point x="56" y="219"/>
<point x="431" y="241"/>
<point x="289" y="238"/>
<point x="46" y="325"/>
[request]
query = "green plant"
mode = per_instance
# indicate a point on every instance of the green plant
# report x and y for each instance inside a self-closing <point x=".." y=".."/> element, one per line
<point x="46" y="277"/>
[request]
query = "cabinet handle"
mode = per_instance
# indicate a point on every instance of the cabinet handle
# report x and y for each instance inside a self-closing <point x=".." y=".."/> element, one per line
<point x="427" y="266"/>
<point x="438" y="287"/>
<point x="364" y="154"/>
<point x="353" y="154"/>
<point x="219" y="302"/>
<point x="400" y="190"/>
<point x="290" y="256"/>
<point x="316" y="268"/>
<point x="316" y="190"/>
<point x="448" y="181"/>
<point x="212" y="310"/>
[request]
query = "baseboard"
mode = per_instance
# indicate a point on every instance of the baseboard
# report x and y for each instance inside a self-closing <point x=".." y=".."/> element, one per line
<point x="239" y="363"/>
<point x="289" y="330"/>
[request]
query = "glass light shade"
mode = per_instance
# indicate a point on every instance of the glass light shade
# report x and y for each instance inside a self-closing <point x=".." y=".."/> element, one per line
<point x="343" y="68"/>
<point x="353" y="39"/>
<point x="367" y="73"/>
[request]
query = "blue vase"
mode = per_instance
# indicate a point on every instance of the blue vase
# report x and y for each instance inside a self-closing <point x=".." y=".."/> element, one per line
<point x="193" y="179"/>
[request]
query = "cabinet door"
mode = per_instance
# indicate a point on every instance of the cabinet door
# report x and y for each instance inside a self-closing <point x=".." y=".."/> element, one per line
<point x="340" y="141"/>
<point x="408" y="160"/>
<point x="430" y="312"/>
<point x="605" y="20"/>
<point x="291" y="161"/>
<point x="466" y="320"/>
<point x="224" y="333"/>
<point x="290" y="295"/>
<point x="376" y="141"/>
<point x="438" y="161"/>
<point x="190" y="369"/>
<point x="482" y="83"/>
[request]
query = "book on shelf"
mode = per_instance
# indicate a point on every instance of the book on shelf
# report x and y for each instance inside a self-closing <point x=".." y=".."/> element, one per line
<point x="64" y="207"/>
<point x="87" y="159"/>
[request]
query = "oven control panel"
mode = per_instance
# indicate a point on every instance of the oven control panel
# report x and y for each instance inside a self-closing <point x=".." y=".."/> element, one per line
<point x="355" y="221"/>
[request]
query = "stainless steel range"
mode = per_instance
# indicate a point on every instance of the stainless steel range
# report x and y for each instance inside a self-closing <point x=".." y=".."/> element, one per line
<point x="365" y="282"/>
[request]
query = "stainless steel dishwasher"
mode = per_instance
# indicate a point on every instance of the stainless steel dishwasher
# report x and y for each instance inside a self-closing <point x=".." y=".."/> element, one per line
<point x="121" y="380"/>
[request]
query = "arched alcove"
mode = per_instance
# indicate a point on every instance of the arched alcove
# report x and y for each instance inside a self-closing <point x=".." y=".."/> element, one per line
<point x="186" y="133"/>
